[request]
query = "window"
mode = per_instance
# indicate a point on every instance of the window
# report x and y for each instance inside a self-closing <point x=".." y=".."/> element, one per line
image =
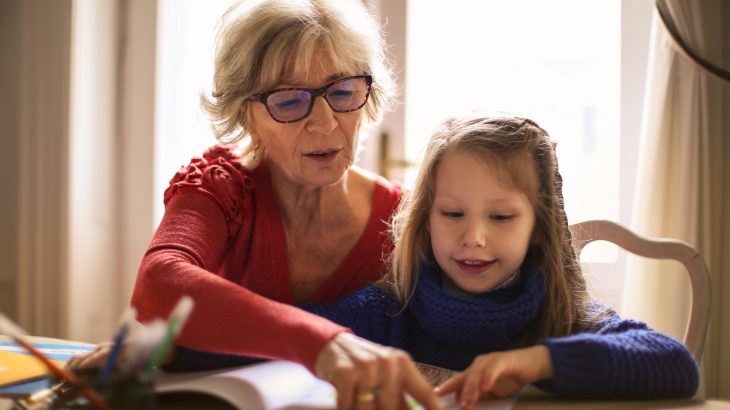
<point x="185" y="69"/>
<point x="575" y="67"/>
<point x="559" y="64"/>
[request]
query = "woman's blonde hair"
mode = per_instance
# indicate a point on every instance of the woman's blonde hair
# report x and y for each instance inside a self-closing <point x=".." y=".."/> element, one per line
<point x="525" y="155"/>
<point x="262" y="42"/>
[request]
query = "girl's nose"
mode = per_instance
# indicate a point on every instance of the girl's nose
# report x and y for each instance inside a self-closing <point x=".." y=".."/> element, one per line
<point x="474" y="236"/>
<point x="322" y="119"/>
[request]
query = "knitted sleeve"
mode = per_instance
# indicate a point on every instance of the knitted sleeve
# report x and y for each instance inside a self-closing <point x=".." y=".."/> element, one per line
<point x="363" y="312"/>
<point x="209" y="203"/>
<point x="367" y="312"/>
<point x="623" y="359"/>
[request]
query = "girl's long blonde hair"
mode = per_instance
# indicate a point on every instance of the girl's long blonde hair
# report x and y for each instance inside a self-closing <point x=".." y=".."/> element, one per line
<point x="525" y="154"/>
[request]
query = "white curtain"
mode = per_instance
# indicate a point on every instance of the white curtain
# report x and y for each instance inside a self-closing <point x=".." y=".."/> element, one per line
<point x="85" y="138"/>
<point x="682" y="189"/>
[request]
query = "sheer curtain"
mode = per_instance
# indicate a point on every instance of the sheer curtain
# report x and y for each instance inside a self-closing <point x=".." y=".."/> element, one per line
<point x="682" y="190"/>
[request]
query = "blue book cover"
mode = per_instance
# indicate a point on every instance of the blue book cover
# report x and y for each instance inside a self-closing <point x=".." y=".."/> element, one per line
<point x="21" y="373"/>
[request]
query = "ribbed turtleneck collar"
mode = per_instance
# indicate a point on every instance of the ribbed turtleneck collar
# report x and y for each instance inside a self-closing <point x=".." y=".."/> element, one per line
<point x="486" y="321"/>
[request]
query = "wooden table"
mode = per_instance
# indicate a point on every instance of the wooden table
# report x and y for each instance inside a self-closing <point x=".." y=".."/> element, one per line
<point x="527" y="403"/>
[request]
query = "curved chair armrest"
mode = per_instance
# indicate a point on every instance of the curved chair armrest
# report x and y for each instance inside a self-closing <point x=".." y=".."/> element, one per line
<point x="658" y="248"/>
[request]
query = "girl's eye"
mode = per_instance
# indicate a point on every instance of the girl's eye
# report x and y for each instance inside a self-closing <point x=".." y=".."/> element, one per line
<point x="502" y="218"/>
<point x="452" y="214"/>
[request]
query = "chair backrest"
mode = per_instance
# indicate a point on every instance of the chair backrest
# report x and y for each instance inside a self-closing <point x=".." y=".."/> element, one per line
<point x="659" y="248"/>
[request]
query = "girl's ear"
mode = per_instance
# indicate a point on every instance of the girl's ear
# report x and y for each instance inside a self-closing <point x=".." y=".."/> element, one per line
<point x="533" y="237"/>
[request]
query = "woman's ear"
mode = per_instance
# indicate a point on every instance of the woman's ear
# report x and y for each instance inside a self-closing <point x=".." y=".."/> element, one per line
<point x="245" y="117"/>
<point x="241" y="115"/>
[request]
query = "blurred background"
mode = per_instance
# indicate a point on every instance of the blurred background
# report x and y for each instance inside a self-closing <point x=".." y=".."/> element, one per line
<point x="101" y="106"/>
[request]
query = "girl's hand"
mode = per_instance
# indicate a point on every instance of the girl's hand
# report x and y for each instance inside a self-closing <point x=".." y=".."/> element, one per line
<point x="367" y="375"/>
<point x="500" y="374"/>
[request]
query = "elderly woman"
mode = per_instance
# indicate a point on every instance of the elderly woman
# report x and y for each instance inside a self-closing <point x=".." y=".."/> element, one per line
<point x="288" y="218"/>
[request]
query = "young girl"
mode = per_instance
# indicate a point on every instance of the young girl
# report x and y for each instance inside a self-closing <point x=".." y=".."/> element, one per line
<point x="484" y="279"/>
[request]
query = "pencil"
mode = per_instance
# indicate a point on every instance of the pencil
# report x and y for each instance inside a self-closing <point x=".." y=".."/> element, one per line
<point x="11" y="329"/>
<point x="63" y="374"/>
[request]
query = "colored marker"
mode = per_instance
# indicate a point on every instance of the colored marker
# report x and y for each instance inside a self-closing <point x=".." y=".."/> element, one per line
<point x="108" y="368"/>
<point x="175" y="323"/>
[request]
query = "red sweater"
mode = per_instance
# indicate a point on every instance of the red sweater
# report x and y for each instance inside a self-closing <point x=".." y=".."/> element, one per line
<point x="222" y="242"/>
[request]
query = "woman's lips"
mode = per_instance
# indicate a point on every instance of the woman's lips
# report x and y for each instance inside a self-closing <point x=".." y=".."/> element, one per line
<point x="324" y="156"/>
<point x="474" y="267"/>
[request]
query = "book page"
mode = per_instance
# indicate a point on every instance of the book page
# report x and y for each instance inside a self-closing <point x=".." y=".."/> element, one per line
<point x="434" y="375"/>
<point x="274" y="385"/>
<point x="437" y="375"/>
<point x="280" y="385"/>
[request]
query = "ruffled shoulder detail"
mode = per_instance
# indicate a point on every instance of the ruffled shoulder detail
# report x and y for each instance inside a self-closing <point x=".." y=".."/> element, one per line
<point x="220" y="175"/>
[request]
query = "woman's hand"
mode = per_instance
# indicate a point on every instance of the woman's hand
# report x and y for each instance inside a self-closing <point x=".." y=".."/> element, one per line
<point x="500" y="374"/>
<point x="367" y="375"/>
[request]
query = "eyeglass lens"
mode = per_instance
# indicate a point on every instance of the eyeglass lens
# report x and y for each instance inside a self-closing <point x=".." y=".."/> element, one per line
<point x="342" y="96"/>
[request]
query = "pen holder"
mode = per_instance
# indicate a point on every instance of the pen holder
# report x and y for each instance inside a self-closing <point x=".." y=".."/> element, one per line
<point x="119" y="392"/>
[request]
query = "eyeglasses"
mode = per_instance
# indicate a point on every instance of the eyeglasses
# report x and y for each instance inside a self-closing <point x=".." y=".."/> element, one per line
<point x="294" y="104"/>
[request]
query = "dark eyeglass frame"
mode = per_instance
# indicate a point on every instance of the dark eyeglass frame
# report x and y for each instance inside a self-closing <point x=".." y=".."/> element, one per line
<point x="314" y="92"/>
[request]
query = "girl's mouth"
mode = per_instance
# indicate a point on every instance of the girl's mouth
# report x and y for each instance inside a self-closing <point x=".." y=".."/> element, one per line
<point x="474" y="266"/>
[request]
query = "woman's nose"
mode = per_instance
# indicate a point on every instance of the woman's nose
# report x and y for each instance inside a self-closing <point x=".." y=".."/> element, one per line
<point x="322" y="119"/>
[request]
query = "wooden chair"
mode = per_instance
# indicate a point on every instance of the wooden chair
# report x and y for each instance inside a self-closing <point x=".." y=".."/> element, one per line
<point x="659" y="248"/>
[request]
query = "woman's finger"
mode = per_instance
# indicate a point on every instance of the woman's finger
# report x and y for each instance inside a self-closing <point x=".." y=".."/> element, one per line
<point x="367" y="375"/>
<point x="417" y="386"/>
<point x="390" y="393"/>
<point x="334" y="366"/>
<point x="351" y="366"/>
<point x="367" y="360"/>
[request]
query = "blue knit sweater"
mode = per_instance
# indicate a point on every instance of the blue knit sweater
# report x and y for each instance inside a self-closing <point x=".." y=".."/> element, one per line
<point x="620" y="359"/>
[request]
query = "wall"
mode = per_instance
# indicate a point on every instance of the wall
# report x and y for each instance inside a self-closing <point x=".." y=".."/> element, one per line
<point x="9" y="130"/>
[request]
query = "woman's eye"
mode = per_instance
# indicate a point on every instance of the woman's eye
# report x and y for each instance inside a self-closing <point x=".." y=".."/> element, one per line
<point x="452" y="214"/>
<point x="288" y="104"/>
<point x="502" y="218"/>
<point x="341" y="94"/>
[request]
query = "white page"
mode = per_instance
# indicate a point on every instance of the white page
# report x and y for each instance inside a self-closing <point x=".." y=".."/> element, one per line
<point x="280" y="385"/>
<point x="270" y="385"/>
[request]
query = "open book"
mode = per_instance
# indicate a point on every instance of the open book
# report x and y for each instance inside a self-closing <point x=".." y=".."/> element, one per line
<point x="273" y="385"/>
<point x="277" y="385"/>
